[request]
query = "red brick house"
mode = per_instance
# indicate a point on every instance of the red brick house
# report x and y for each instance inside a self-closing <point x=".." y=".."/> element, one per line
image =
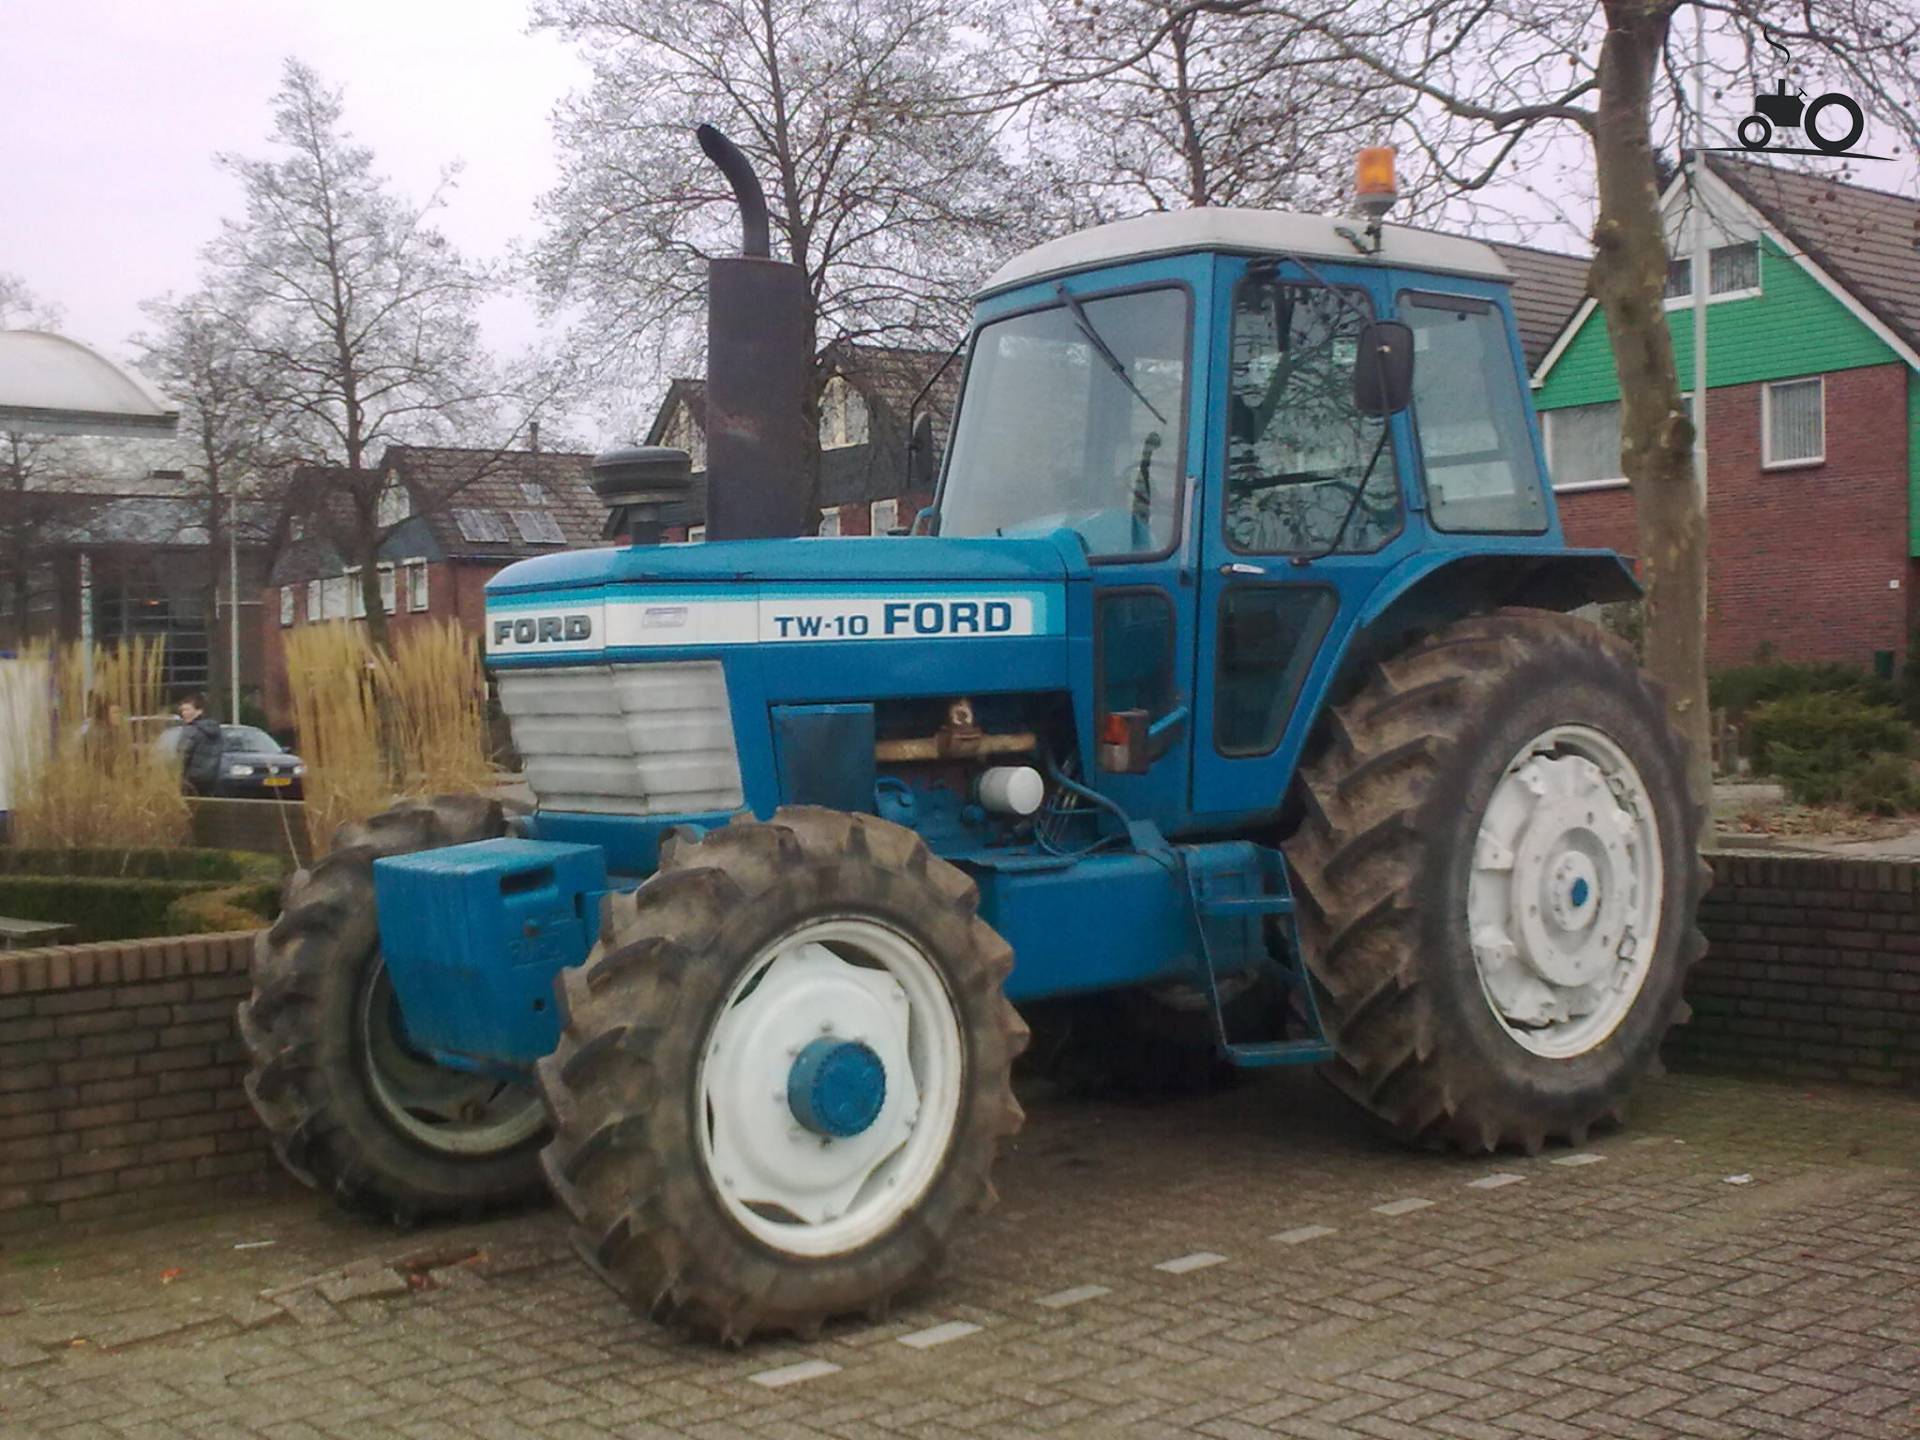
<point x="865" y="407"/>
<point x="454" y="517"/>
<point x="1813" y="414"/>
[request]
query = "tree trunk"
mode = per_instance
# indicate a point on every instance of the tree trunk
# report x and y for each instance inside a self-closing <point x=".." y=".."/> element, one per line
<point x="375" y="606"/>
<point x="1656" y="435"/>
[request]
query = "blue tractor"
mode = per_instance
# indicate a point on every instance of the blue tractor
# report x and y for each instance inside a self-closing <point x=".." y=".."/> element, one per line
<point x="1230" y="692"/>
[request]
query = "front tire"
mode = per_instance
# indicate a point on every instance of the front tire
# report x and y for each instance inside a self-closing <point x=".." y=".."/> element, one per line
<point x="706" y="1186"/>
<point x="1497" y="872"/>
<point x="352" y="1109"/>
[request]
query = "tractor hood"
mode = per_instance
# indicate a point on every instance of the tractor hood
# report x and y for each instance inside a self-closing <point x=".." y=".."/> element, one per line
<point x="662" y="601"/>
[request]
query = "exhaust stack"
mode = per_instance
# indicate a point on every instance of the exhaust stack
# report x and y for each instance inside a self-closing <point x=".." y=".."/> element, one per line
<point x="759" y="362"/>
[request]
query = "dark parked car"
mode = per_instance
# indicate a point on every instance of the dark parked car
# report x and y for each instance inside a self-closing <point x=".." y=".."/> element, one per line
<point x="253" y="765"/>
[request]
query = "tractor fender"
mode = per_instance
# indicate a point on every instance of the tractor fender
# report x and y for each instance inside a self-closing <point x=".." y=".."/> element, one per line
<point x="1429" y="590"/>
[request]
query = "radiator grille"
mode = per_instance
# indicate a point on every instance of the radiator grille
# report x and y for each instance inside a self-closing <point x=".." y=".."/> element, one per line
<point x="626" y="739"/>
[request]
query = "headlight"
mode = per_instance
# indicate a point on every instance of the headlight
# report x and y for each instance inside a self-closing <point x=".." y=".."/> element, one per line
<point x="299" y="770"/>
<point x="238" y="772"/>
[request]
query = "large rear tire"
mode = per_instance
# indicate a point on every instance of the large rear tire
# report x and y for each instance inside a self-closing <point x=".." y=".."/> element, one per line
<point x="353" y="1110"/>
<point x="705" y="1188"/>
<point x="1497" y="872"/>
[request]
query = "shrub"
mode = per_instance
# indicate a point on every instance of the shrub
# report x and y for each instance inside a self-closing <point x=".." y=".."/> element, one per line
<point x="1823" y="731"/>
<point x="1884" y="785"/>
<point x="1742" y="688"/>
<point x="232" y="907"/>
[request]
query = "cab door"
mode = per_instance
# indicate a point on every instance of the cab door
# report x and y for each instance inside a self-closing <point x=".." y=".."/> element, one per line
<point x="1305" y="508"/>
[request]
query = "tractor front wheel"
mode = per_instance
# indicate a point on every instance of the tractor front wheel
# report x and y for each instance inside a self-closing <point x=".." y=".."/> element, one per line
<point x="352" y="1107"/>
<point x="783" y="1076"/>
<point x="1497" y="871"/>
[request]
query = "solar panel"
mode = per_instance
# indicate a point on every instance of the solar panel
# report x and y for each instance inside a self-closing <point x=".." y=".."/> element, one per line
<point x="480" y="525"/>
<point x="536" y="527"/>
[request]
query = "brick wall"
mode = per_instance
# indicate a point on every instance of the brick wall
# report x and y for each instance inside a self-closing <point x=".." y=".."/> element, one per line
<point x="1813" y="970"/>
<point x="1801" y="559"/>
<point x="120" y="1078"/>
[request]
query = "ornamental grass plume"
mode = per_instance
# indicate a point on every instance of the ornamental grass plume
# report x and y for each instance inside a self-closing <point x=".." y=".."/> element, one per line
<point x="81" y="722"/>
<point x="375" y="727"/>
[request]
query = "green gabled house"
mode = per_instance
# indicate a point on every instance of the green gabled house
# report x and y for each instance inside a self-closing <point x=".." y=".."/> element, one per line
<point x="1813" y="412"/>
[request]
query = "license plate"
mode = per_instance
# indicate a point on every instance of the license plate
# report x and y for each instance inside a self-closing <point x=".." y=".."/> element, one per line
<point x="278" y="780"/>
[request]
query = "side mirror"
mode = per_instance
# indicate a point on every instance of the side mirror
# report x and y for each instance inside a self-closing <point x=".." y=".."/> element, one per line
<point x="920" y="467"/>
<point x="1383" y="368"/>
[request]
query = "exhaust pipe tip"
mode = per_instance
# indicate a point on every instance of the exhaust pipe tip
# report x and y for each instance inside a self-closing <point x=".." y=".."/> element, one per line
<point x="755" y="238"/>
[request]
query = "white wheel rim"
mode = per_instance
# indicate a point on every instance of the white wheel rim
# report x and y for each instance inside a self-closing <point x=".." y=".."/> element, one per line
<point x="799" y="1191"/>
<point x="452" y="1112"/>
<point x="1563" y="905"/>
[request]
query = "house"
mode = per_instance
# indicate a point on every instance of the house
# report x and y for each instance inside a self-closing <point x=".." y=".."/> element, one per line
<point x="1813" y="413"/>
<point x="113" y="540"/>
<point x="865" y="408"/>
<point x="452" y="518"/>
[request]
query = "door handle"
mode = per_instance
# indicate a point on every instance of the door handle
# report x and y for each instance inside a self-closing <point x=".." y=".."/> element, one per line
<point x="1240" y="567"/>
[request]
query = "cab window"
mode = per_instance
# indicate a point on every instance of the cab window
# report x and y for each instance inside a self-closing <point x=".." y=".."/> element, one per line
<point x="1307" y="473"/>
<point x="1475" y="446"/>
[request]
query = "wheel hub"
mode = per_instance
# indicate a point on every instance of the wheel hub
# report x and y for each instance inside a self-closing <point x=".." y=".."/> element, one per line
<point x="837" y="1088"/>
<point x="813" y="1082"/>
<point x="1564" y="899"/>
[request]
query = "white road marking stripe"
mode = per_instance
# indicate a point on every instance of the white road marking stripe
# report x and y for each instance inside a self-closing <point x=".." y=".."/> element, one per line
<point x="1060" y="1299"/>
<point x="1495" y="1180"/>
<point x="1199" y="1260"/>
<point x="794" y="1374"/>
<point x="1402" y="1207"/>
<point x="1301" y="1234"/>
<point x="939" y="1334"/>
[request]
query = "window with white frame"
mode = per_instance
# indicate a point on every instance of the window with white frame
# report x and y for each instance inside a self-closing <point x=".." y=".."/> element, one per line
<point x="356" y="597"/>
<point x="830" y="520"/>
<point x="1793" y="423"/>
<point x="394" y="504"/>
<point x="286" y="605"/>
<point x="416" y="585"/>
<point x="335" y="596"/>
<point x="843" y="415"/>
<point x="315" y="612"/>
<point x="1583" y="446"/>
<point x="1733" y="272"/>
<point x="883" y="517"/>
<point x="389" y="598"/>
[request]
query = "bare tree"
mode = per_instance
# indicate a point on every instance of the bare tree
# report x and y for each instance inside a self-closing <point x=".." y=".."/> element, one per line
<point x="359" y="318"/>
<point x="893" y="207"/>
<point x="1492" y="83"/>
<point x="231" y="443"/>
<point x="1158" y="105"/>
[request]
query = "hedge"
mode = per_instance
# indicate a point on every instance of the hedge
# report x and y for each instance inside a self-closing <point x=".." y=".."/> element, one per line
<point x="200" y="866"/>
<point x="132" y="894"/>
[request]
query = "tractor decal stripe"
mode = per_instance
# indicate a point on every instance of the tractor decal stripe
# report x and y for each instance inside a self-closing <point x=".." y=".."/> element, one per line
<point x="564" y="623"/>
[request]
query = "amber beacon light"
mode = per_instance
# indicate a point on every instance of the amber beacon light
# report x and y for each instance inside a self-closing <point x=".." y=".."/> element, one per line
<point x="1373" y="184"/>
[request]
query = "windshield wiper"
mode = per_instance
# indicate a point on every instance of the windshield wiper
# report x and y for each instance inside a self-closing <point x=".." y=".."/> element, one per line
<point x="1113" y="361"/>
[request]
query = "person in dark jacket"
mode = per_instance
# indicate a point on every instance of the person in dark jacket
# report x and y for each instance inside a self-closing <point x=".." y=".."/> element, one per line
<point x="199" y="746"/>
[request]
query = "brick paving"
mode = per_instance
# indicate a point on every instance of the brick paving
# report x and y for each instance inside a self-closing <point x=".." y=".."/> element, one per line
<point x="1743" y="1260"/>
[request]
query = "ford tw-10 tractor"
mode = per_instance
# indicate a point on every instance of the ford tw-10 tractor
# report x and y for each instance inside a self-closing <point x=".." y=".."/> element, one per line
<point x="1230" y="680"/>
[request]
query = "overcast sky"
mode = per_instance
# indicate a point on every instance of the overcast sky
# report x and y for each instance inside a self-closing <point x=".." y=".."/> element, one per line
<point x="111" y="111"/>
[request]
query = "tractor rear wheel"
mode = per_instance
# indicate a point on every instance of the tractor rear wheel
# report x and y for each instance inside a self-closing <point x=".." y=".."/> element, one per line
<point x="1497" y="872"/>
<point x="784" y="1074"/>
<point x="352" y="1107"/>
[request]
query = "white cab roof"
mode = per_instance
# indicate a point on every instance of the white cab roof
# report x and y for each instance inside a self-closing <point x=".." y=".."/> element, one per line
<point x="1312" y="237"/>
<point x="55" y="385"/>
